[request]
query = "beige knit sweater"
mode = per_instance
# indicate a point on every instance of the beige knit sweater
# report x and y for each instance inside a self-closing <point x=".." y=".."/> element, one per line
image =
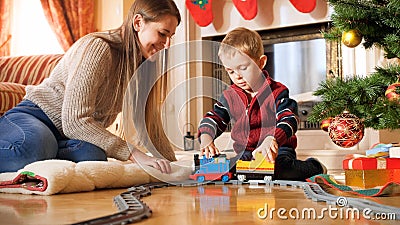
<point x="79" y="94"/>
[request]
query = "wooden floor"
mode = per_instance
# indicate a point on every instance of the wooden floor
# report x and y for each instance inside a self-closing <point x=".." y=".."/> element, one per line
<point x="210" y="204"/>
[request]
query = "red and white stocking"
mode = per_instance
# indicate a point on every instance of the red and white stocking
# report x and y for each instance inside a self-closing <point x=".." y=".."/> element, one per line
<point x="200" y="11"/>
<point x="246" y="8"/>
<point x="304" y="6"/>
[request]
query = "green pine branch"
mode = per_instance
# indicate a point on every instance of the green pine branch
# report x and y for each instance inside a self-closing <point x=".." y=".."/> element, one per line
<point x="364" y="96"/>
<point x="361" y="96"/>
<point x="377" y="20"/>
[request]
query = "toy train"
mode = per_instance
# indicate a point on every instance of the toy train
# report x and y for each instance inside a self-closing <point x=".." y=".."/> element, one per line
<point x="214" y="168"/>
<point x="218" y="168"/>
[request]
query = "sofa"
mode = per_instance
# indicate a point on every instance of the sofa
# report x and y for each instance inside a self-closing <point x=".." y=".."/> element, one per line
<point x="18" y="71"/>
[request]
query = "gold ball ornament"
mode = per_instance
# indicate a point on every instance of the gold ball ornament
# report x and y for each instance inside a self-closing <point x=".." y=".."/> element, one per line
<point x="351" y="38"/>
<point x="393" y="92"/>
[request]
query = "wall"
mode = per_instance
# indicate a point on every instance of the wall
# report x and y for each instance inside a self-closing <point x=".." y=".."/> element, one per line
<point x="271" y="14"/>
<point x="110" y="13"/>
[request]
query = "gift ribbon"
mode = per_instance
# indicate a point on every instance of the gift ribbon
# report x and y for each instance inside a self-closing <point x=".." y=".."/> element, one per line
<point x="380" y="161"/>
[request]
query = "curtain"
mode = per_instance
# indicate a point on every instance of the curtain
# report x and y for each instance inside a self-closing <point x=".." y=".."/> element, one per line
<point x="69" y="19"/>
<point x="5" y="31"/>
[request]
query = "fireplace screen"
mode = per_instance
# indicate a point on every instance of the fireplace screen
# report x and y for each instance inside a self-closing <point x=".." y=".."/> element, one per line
<point x="300" y="65"/>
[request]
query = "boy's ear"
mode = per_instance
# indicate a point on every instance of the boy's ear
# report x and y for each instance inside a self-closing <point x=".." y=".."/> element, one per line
<point x="137" y="22"/>
<point x="262" y="61"/>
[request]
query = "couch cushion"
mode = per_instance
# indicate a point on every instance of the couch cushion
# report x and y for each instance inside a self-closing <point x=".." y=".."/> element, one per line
<point x="10" y="95"/>
<point x="27" y="69"/>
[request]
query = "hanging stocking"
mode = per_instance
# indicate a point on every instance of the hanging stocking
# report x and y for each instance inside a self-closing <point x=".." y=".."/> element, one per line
<point x="246" y="8"/>
<point x="304" y="6"/>
<point x="200" y="11"/>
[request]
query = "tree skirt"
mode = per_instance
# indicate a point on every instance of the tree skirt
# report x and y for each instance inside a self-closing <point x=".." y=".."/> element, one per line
<point x="50" y="177"/>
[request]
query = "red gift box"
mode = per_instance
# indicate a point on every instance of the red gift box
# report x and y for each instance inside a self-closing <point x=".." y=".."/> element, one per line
<point x="371" y="163"/>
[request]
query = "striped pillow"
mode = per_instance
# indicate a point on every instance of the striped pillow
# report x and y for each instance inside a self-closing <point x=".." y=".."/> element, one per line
<point x="10" y="95"/>
<point x="18" y="71"/>
<point x="27" y="69"/>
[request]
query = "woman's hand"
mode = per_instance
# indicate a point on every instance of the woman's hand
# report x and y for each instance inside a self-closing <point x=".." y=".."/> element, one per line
<point x="207" y="146"/>
<point x="269" y="148"/>
<point x="161" y="164"/>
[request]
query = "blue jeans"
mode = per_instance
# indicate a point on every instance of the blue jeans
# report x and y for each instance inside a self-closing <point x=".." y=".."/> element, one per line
<point x="28" y="135"/>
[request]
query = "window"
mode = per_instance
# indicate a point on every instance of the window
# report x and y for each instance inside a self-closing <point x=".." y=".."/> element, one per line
<point x="31" y="33"/>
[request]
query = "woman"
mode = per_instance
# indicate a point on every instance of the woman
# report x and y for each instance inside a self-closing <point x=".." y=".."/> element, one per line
<point x="66" y="116"/>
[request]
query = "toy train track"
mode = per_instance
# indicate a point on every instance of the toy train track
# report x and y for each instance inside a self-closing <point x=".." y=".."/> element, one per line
<point x="132" y="209"/>
<point x="316" y="193"/>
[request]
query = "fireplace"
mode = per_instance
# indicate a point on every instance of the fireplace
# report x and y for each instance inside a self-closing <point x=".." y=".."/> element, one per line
<point x="300" y="58"/>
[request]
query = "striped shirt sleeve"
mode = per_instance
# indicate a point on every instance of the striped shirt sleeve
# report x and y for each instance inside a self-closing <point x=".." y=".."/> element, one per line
<point x="215" y="121"/>
<point x="286" y="118"/>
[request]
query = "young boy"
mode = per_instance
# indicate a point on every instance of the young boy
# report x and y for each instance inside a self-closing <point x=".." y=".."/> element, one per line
<point x="265" y="118"/>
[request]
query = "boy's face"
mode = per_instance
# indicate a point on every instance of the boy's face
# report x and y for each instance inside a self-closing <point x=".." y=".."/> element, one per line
<point x="244" y="71"/>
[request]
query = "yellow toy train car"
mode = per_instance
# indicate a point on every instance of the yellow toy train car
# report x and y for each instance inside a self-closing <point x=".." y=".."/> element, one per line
<point x="256" y="169"/>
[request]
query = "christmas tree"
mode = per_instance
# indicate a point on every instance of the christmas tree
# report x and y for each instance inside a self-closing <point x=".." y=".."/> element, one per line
<point x="373" y="98"/>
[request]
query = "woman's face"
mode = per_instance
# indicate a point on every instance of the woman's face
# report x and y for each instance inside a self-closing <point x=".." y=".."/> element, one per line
<point x="154" y="36"/>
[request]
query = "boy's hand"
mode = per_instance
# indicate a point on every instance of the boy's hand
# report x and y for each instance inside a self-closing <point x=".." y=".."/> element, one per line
<point x="207" y="146"/>
<point x="269" y="148"/>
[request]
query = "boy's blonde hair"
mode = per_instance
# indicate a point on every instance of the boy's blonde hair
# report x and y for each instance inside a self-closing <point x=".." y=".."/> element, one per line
<point x="244" y="40"/>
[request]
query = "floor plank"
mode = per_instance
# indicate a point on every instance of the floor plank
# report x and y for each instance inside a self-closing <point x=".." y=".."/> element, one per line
<point x="209" y="204"/>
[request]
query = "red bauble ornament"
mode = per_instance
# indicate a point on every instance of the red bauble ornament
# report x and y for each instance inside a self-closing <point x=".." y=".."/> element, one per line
<point x="325" y="124"/>
<point x="346" y="130"/>
<point x="393" y="92"/>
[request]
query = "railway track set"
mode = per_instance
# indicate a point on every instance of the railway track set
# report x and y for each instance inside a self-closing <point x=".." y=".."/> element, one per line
<point x="133" y="209"/>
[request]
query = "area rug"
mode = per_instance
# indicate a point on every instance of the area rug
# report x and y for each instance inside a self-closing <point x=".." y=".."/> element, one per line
<point x="50" y="177"/>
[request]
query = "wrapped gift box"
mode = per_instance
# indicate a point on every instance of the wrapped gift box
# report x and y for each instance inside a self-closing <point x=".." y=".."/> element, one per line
<point x="379" y="149"/>
<point x="371" y="172"/>
<point x="371" y="178"/>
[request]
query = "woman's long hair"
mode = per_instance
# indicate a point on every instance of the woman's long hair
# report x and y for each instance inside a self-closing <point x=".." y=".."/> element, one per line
<point x="130" y="58"/>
